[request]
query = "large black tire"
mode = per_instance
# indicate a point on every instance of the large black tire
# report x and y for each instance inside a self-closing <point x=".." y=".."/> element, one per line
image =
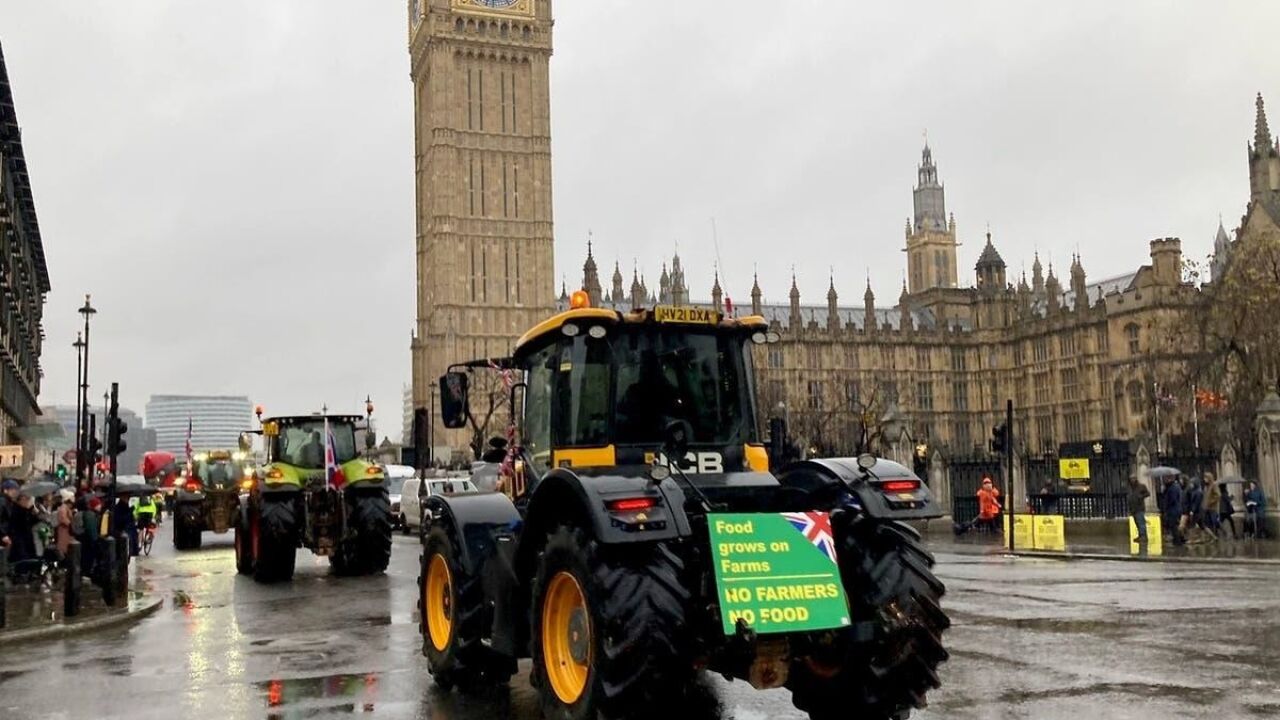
<point x="636" y="605"/>
<point x="277" y="521"/>
<point x="885" y="663"/>
<point x="463" y="661"/>
<point x="244" y="542"/>
<point x="186" y="534"/>
<point x="369" y="551"/>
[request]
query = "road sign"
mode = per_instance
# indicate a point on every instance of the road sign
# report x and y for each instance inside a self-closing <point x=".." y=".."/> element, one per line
<point x="10" y="456"/>
<point x="1073" y="468"/>
<point x="1022" y="531"/>
<point x="777" y="572"/>
<point x="1049" y="533"/>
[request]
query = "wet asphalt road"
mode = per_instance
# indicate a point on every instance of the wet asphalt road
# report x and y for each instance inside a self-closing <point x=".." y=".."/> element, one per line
<point x="1032" y="639"/>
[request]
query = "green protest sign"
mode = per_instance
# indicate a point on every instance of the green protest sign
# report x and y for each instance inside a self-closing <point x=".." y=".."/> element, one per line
<point x="777" y="571"/>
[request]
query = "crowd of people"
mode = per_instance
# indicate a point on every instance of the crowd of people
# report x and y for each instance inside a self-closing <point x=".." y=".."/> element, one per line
<point x="37" y="530"/>
<point x="1200" y="510"/>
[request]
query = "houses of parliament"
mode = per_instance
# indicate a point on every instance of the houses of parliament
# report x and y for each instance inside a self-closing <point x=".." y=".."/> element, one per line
<point x="1076" y="354"/>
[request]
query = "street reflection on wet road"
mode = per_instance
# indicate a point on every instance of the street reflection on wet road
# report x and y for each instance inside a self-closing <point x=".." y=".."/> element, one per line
<point x="1034" y="639"/>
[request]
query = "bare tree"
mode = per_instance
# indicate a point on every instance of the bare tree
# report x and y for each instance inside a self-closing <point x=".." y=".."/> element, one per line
<point x="489" y="399"/>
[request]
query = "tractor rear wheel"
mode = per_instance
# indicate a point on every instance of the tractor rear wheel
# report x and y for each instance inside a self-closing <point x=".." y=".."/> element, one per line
<point x="369" y="551"/>
<point x="277" y="540"/>
<point x="608" y="627"/>
<point x="452" y="618"/>
<point x="887" y="661"/>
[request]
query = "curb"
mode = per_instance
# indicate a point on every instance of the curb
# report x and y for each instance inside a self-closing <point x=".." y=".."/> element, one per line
<point x="1261" y="562"/>
<point x="60" y="630"/>
<point x="995" y="551"/>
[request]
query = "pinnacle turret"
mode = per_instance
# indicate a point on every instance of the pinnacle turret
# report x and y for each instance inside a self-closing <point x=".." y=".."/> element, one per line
<point x="1261" y="133"/>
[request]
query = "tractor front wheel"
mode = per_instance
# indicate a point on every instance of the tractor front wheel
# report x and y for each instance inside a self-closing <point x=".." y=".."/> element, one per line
<point x="246" y="541"/>
<point x="452" y="618"/>
<point x="368" y="551"/>
<point x="608" y="628"/>
<point x="881" y="668"/>
<point x="276" y="534"/>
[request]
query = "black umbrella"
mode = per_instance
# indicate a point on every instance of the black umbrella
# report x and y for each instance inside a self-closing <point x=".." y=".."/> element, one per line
<point x="39" y="488"/>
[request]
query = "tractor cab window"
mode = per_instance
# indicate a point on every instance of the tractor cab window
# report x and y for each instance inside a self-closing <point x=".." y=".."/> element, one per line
<point x="218" y="472"/>
<point x="665" y="377"/>
<point x="535" y="432"/>
<point x="302" y="444"/>
<point x="582" y="396"/>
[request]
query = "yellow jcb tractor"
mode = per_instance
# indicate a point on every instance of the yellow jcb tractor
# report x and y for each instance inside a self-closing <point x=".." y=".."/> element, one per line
<point x="641" y="538"/>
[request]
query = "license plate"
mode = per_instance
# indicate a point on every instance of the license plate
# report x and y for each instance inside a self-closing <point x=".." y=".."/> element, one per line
<point x="906" y="496"/>
<point x="687" y="315"/>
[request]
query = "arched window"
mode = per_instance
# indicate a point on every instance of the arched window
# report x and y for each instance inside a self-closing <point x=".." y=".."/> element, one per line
<point x="480" y="28"/>
<point x="527" y="33"/>
<point x="504" y="29"/>
<point x="459" y="26"/>
<point x="1135" y="399"/>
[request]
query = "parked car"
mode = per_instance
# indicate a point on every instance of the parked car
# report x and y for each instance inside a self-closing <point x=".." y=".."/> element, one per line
<point x="416" y="490"/>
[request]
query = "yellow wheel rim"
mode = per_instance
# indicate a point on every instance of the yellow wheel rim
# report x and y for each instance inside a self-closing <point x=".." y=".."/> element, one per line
<point x="566" y="637"/>
<point x="439" y="602"/>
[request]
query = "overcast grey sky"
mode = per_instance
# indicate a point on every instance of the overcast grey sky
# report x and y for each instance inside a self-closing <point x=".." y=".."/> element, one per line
<point x="233" y="181"/>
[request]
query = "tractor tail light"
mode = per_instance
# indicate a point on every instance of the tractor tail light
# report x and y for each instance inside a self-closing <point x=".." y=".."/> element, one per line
<point x="631" y="504"/>
<point x="192" y="486"/>
<point x="900" y="485"/>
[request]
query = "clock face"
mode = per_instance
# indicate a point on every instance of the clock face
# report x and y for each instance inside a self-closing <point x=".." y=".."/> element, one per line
<point x="521" y="7"/>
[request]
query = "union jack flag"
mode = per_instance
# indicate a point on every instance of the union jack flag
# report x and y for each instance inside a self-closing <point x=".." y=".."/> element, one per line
<point x="816" y="528"/>
<point x="332" y="471"/>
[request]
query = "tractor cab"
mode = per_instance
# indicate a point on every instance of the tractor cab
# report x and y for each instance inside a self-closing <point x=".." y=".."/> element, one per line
<point x="296" y="445"/>
<point x="599" y="390"/>
<point x="220" y="470"/>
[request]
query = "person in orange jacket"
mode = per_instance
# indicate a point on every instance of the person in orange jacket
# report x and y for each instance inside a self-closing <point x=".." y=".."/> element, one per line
<point x="988" y="509"/>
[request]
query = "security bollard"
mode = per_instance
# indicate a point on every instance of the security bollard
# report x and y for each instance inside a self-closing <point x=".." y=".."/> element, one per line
<point x="71" y="581"/>
<point x="121" y="575"/>
<point x="105" y="572"/>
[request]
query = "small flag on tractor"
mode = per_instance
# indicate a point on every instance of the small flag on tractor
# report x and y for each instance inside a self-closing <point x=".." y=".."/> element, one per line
<point x="333" y="476"/>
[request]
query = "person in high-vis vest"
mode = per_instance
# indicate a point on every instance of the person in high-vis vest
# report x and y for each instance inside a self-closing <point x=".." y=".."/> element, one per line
<point x="144" y="513"/>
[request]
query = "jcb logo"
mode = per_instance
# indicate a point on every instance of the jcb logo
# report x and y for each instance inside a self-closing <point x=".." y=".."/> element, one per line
<point x="698" y="463"/>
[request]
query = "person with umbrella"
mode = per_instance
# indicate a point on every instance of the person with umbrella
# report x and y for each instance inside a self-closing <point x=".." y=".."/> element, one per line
<point x="1255" y="508"/>
<point x="1172" y="516"/>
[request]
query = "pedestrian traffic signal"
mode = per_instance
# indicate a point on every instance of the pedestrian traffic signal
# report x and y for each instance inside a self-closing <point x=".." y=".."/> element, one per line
<point x="61" y="472"/>
<point x="998" y="439"/>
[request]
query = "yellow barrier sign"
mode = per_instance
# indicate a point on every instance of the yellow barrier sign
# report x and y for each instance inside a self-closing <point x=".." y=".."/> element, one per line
<point x="1073" y="468"/>
<point x="1049" y="533"/>
<point x="1023" y="532"/>
<point x="1155" y="541"/>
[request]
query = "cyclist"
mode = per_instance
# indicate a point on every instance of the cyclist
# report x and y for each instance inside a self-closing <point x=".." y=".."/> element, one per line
<point x="144" y="514"/>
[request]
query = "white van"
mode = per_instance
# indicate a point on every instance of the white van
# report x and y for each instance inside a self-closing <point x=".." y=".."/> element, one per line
<point x="415" y="491"/>
<point x="397" y="476"/>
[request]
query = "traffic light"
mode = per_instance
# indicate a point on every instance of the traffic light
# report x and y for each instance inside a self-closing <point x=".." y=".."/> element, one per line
<point x="116" y="429"/>
<point x="998" y="436"/>
<point x="95" y="449"/>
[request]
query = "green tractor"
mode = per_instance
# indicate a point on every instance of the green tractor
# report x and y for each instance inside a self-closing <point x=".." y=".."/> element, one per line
<point x="314" y="494"/>
<point x="643" y="534"/>
<point x="209" y="496"/>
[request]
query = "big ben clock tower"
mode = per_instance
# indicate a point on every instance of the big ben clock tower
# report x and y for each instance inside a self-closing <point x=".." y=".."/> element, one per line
<point x="482" y="130"/>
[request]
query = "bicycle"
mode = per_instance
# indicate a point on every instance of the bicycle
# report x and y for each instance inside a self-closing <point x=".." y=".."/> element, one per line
<point x="147" y="537"/>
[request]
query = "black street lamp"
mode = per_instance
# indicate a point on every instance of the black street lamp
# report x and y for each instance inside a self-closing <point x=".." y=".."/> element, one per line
<point x="87" y="311"/>
<point x="79" y="346"/>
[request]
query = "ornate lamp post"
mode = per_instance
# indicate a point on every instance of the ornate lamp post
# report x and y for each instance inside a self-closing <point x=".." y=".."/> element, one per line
<point x="82" y="449"/>
<point x="79" y="346"/>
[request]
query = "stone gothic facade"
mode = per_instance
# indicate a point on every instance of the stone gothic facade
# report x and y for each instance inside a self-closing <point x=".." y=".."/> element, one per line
<point x="1079" y="356"/>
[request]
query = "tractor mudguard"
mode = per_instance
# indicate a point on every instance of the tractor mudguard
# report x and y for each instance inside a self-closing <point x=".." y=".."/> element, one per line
<point x="586" y="499"/>
<point x="877" y="502"/>
<point x="477" y="521"/>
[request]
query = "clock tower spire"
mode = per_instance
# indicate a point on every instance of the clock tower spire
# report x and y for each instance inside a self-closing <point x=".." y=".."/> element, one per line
<point x="485" y="270"/>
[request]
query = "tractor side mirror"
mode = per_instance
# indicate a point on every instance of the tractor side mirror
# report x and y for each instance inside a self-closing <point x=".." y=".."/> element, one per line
<point x="245" y="442"/>
<point x="453" y="399"/>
